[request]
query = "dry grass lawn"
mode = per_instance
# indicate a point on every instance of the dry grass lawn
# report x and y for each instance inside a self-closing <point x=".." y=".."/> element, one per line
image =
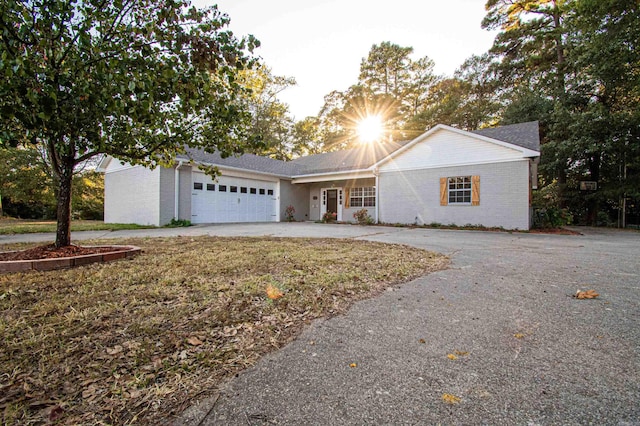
<point x="138" y="341"/>
<point x="26" y="226"/>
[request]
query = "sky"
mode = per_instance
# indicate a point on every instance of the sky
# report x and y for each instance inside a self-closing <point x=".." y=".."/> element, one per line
<point x="321" y="42"/>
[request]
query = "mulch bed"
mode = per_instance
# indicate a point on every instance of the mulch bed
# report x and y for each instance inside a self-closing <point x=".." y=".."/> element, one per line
<point x="50" y="251"/>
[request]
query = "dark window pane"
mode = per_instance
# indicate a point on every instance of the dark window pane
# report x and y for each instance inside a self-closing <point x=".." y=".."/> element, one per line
<point x="222" y="188"/>
<point x="262" y="191"/>
<point x="233" y="189"/>
<point x="270" y="192"/>
<point x="211" y="187"/>
<point x="197" y="185"/>
<point x="243" y="189"/>
<point x="252" y="191"/>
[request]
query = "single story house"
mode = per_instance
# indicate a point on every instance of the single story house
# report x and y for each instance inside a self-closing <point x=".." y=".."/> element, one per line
<point x="446" y="176"/>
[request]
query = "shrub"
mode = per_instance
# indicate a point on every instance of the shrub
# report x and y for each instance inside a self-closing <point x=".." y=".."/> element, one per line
<point x="362" y="217"/>
<point x="329" y="217"/>
<point x="289" y="214"/>
<point x="178" y="223"/>
<point x="551" y="217"/>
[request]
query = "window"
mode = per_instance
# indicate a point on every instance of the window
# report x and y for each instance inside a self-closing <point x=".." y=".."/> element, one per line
<point x="243" y="189"/>
<point x="252" y="191"/>
<point x="362" y="197"/>
<point x="262" y="191"/>
<point x="459" y="190"/>
<point x="270" y="192"/>
<point x="197" y="185"/>
<point x="211" y="187"/>
<point x="233" y="189"/>
<point x="222" y="188"/>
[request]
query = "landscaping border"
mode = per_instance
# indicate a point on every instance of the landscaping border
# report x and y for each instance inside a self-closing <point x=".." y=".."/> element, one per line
<point x="122" y="252"/>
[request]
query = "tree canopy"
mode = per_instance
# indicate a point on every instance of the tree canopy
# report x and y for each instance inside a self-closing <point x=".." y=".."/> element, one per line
<point x="135" y="79"/>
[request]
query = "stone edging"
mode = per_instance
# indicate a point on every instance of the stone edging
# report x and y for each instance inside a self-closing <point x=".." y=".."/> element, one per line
<point x="68" y="262"/>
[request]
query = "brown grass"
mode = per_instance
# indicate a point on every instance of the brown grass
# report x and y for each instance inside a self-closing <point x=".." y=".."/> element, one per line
<point x="137" y="341"/>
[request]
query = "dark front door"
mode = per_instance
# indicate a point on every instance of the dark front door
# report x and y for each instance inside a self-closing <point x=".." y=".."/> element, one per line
<point x="332" y="200"/>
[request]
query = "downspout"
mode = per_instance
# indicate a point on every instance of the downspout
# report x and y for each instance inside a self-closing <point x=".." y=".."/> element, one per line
<point x="176" y="203"/>
<point x="375" y="173"/>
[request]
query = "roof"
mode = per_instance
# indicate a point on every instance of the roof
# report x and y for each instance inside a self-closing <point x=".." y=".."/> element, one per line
<point x="351" y="159"/>
<point x="526" y="135"/>
<point x="246" y="161"/>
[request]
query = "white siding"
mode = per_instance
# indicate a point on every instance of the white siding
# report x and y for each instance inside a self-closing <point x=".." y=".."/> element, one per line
<point x="167" y="195"/>
<point x="132" y="195"/>
<point x="414" y="196"/>
<point x="447" y="148"/>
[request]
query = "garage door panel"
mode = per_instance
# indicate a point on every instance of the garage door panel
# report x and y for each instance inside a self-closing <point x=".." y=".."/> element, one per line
<point x="213" y="202"/>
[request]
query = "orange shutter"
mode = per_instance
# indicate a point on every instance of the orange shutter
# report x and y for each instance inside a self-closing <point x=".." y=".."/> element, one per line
<point x="443" y="191"/>
<point x="475" y="190"/>
<point x="346" y="198"/>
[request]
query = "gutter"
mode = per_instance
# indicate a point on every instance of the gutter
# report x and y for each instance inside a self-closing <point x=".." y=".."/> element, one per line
<point x="375" y="173"/>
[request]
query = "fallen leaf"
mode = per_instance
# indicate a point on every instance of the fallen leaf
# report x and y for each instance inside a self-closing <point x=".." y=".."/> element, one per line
<point x="353" y="365"/>
<point x="273" y="292"/>
<point x="450" y="399"/>
<point x="422" y="341"/>
<point x="452" y="357"/>
<point x="589" y="294"/>
<point x="461" y="353"/>
<point x="115" y="350"/>
<point x="518" y="336"/>
<point x="194" y="341"/>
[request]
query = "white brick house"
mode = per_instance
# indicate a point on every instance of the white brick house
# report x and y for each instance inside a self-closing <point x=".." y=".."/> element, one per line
<point x="446" y="176"/>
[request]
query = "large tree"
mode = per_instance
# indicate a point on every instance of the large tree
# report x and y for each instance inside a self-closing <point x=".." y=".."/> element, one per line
<point x="469" y="100"/>
<point x="391" y="85"/>
<point x="135" y="79"/>
<point x="271" y="123"/>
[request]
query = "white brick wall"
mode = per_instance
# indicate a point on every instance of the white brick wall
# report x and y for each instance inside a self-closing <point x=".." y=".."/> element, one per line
<point x="132" y="195"/>
<point x="414" y="196"/>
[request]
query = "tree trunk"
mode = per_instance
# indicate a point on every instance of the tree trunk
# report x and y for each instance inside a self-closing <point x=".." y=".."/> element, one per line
<point x="593" y="204"/>
<point x="63" y="230"/>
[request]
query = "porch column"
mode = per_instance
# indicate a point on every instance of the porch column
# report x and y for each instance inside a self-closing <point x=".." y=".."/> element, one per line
<point x="375" y="173"/>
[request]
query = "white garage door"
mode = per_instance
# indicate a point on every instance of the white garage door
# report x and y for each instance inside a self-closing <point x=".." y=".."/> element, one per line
<point x="232" y="199"/>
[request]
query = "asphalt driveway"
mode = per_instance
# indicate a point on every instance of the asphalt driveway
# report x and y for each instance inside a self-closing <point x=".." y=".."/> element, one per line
<point x="525" y="351"/>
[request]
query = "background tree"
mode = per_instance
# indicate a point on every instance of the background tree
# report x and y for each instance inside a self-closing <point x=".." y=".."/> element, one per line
<point x="604" y="82"/>
<point x="26" y="188"/>
<point x="575" y="65"/>
<point x="271" y="122"/>
<point x="469" y="100"/>
<point x="307" y="137"/>
<point x="29" y="189"/>
<point x="531" y="50"/>
<point x="136" y="79"/>
<point x="390" y="85"/>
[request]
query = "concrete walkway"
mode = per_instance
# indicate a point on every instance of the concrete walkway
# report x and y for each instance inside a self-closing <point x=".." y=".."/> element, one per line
<point x="527" y="352"/>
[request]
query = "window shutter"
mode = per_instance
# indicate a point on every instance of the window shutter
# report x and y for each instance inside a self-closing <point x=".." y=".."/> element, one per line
<point x="346" y="198"/>
<point x="475" y="190"/>
<point x="443" y="191"/>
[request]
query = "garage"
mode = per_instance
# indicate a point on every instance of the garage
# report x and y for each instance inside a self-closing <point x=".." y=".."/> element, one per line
<point x="232" y="199"/>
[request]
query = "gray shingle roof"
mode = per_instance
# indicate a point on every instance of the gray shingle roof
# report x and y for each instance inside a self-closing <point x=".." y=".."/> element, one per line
<point x="350" y="159"/>
<point x="245" y="161"/>
<point x="526" y="135"/>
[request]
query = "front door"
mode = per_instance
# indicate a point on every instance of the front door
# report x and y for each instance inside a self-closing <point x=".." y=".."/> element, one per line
<point x="332" y="201"/>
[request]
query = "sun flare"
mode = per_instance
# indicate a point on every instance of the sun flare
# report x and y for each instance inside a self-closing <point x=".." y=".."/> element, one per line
<point x="370" y="129"/>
